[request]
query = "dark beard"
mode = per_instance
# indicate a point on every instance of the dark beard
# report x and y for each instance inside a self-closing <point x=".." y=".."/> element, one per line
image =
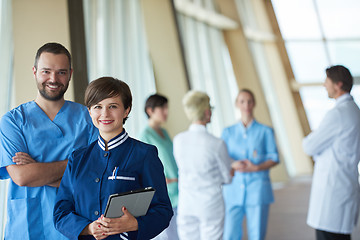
<point x="52" y="98"/>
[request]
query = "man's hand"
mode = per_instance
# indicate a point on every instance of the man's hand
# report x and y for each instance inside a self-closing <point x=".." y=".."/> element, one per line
<point x="125" y="223"/>
<point x="22" y="158"/>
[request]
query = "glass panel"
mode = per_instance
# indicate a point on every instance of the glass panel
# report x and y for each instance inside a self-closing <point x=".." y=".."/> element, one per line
<point x="346" y="53"/>
<point x="206" y="59"/>
<point x="316" y="103"/>
<point x="308" y="60"/>
<point x="297" y="19"/>
<point x="340" y="19"/>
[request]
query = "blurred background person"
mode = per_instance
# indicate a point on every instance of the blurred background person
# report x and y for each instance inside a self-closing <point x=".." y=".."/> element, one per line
<point x="250" y="193"/>
<point x="204" y="166"/>
<point x="335" y="146"/>
<point x="156" y="109"/>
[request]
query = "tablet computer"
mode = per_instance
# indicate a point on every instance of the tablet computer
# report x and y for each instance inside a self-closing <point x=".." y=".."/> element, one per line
<point x="137" y="202"/>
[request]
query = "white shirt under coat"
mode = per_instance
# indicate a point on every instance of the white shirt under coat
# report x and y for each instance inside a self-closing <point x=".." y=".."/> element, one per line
<point x="335" y="147"/>
<point x="204" y="166"/>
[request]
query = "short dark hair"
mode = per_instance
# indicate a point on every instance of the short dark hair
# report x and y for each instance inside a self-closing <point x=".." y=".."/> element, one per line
<point x="52" y="47"/>
<point x="339" y="73"/>
<point x="108" y="87"/>
<point x="155" y="100"/>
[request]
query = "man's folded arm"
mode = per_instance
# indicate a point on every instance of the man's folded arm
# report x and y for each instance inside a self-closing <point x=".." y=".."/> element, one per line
<point x="37" y="174"/>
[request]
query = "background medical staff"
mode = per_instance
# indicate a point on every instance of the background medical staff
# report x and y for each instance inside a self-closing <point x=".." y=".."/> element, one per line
<point x="250" y="193"/>
<point x="37" y="138"/>
<point x="156" y="109"/>
<point x="335" y="146"/>
<point x="115" y="163"/>
<point x="204" y="166"/>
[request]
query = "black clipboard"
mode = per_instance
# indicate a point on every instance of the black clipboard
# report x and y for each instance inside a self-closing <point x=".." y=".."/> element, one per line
<point x="136" y="202"/>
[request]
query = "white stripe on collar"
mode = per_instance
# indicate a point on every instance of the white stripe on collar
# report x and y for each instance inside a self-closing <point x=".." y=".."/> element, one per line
<point x="114" y="142"/>
<point x="123" y="236"/>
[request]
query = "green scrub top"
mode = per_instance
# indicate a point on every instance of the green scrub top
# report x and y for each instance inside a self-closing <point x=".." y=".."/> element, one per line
<point x="165" y="149"/>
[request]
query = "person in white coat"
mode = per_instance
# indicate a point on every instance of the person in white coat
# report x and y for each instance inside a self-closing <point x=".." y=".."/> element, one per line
<point x="335" y="147"/>
<point x="204" y="166"/>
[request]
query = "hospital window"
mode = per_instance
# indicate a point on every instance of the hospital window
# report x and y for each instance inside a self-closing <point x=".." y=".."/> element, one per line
<point x="317" y="34"/>
<point x="207" y="59"/>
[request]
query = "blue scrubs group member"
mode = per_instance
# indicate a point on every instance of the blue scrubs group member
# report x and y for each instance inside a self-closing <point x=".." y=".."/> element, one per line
<point x="250" y="193"/>
<point x="156" y="109"/>
<point x="37" y="138"/>
<point x="115" y="163"/>
<point x="204" y="166"/>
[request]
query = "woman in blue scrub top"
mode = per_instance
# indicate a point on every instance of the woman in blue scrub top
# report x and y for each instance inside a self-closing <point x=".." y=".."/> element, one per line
<point x="250" y="192"/>
<point x="115" y="163"/>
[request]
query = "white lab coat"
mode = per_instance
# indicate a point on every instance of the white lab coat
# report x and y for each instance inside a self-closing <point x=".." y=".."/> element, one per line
<point x="204" y="165"/>
<point x="335" y="146"/>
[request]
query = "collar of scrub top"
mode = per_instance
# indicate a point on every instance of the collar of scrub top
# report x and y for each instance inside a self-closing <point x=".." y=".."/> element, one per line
<point x="343" y="98"/>
<point x="114" y="142"/>
<point x="245" y="129"/>
<point x="197" y="127"/>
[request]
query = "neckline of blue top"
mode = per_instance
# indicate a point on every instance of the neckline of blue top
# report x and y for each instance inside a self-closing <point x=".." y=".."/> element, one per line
<point x="114" y="142"/>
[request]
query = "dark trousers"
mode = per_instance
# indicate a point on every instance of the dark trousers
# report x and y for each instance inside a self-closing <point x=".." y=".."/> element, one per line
<point x="322" y="235"/>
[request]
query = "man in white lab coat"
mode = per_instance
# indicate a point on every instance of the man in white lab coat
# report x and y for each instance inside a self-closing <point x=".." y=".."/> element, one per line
<point x="335" y="147"/>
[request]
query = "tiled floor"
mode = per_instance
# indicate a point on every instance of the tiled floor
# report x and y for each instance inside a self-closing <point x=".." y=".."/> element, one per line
<point x="287" y="220"/>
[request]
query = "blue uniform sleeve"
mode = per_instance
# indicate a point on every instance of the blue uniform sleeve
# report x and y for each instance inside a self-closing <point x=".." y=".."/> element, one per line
<point x="160" y="210"/>
<point x="66" y="220"/>
<point x="12" y="141"/>
<point x="271" y="149"/>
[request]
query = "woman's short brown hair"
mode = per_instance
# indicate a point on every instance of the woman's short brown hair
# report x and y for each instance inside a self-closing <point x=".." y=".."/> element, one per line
<point x="108" y="87"/>
<point x="155" y="100"/>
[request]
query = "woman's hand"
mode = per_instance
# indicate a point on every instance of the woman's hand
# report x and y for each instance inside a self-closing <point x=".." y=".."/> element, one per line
<point x="237" y="166"/>
<point x="125" y="223"/>
<point x="249" y="166"/>
<point x="245" y="166"/>
<point x="95" y="229"/>
<point x="171" y="180"/>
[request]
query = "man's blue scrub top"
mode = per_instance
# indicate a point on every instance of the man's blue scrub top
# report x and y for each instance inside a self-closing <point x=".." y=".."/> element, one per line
<point x="28" y="129"/>
<point x="93" y="174"/>
<point x="257" y="144"/>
